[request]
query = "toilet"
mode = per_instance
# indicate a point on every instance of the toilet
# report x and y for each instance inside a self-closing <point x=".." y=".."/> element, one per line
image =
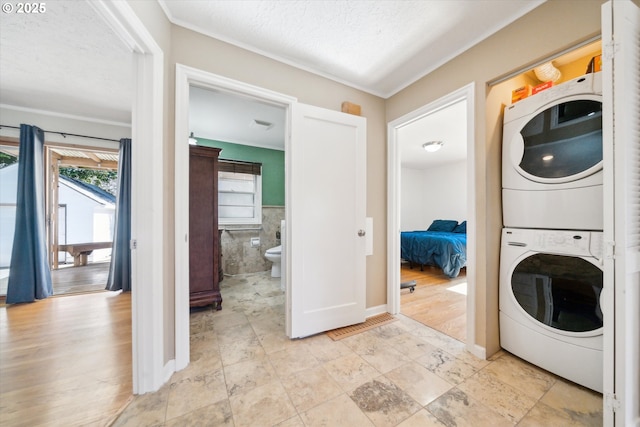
<point x="274" y="255"/>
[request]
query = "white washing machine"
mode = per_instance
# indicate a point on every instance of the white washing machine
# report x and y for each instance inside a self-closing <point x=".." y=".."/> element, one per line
<point x="552" y="158"/>
<point x="550" y="313"/>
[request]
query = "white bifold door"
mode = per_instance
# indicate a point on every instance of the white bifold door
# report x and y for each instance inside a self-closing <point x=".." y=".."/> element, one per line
<point x="621" y="139"/>
<point x="325" y="258"/>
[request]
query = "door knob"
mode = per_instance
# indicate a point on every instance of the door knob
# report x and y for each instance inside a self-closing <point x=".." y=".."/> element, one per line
<point x="361" y="233"/>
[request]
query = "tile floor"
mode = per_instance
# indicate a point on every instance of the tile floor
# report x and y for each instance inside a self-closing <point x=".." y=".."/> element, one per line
<point x="245" y="372"/>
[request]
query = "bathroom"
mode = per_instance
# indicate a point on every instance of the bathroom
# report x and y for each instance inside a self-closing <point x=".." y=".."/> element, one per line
<point x="245" y="246"/>
<point x="241" y="254"/>
<point x="251" y="209"/>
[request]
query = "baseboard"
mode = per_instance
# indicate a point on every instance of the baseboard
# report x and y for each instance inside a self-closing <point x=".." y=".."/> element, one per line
<point x="374" y="311"/>
<point x="478" y="351"/>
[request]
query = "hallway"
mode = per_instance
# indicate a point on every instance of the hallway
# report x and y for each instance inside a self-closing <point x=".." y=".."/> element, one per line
<point x="245" y="372"/>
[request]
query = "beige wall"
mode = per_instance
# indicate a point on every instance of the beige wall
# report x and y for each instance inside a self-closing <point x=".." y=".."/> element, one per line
<point x="204" y="53"/>
<point x="554" y="26"/>
<point x="195" y="50"/>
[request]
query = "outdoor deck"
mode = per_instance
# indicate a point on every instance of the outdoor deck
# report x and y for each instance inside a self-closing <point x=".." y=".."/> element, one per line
<point x="71" y="280"/>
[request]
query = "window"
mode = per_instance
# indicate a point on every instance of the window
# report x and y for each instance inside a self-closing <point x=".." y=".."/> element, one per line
<point x="239" y="193"/>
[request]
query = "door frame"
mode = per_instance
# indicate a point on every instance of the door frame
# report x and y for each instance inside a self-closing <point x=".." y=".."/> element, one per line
<point x="466" y="93"/>
<point x="147" y="195"/>
<point x="185" y="77"/>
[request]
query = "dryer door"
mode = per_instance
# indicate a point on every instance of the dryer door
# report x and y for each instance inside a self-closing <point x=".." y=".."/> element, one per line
<point x="561" y="292"/>
<point x="562" y="142"/>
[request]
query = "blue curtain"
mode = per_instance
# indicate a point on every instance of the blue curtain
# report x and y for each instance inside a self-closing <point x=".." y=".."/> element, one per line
<point x="120" y="268"/>
<point x="29" y="274"/>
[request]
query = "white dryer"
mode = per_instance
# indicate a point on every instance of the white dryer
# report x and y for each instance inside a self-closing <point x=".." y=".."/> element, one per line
<point x="552" y="158"/>
<point x="550" y="313"/>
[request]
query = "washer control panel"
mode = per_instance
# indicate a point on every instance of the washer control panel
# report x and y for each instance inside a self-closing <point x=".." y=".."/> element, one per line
<point x="564" y="242"/>
<point x="581" y="243"/>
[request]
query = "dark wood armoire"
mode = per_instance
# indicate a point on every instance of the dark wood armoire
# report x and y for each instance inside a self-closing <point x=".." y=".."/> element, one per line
<point x="204" y="237"/>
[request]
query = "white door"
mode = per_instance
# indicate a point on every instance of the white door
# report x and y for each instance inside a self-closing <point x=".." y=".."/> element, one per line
<point x="326" y="201"/>
<point x="621" y="139"/>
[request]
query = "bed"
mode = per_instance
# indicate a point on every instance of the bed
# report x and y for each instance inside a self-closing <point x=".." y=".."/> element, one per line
<point x="443" y="245"/>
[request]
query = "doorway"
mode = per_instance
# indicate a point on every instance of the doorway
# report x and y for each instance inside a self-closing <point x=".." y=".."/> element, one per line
<point x="313" y="126"/>
<point x="81" y="201"/>
<point x="251" y="135"/>
<point x="433" y="197"/>
<point x="397" y="132"/>
<point x="187" y="80"/>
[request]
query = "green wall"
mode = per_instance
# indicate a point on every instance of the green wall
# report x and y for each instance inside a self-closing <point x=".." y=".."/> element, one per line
<point x="272" y="166"/>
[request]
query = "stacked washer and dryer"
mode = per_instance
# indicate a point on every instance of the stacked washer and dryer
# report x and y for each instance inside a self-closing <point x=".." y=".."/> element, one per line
<point x="551" y="273"/>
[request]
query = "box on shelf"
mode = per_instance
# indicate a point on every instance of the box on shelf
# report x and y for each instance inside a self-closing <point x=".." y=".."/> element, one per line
<point x="520" y="93"/>
<point x="541" y="87"/>
<point x="595" y="64"/>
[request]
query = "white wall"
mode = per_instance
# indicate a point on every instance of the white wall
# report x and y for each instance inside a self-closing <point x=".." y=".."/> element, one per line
<point x="14" y="116"/>
<point x="412" y="200"/>
<point x="83" y="216"/>
<point x="434" y="193"/>
<point x="8" y="193"/>
<point x="87" y="220"/>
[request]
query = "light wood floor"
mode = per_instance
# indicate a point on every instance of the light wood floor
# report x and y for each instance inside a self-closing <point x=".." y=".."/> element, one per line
<point x="71" y="280"/>
<point x="87" y="278"/>
<point x="65" y="361"/>
<point x="434" y="302"/>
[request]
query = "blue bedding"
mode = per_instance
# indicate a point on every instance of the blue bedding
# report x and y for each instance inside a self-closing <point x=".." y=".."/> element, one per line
<point x="443" y="249"/>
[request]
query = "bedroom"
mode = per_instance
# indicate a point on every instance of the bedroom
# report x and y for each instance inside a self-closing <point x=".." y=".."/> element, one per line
<point x="434" y="188"/>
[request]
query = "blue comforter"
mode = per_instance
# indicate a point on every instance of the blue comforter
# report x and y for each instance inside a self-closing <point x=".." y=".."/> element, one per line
<point x="445" y="250"/>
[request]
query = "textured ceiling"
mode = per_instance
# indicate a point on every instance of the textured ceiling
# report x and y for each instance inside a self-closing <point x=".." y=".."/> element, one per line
<point x="231" y="118"/>
<point x="377" y="46"/>
<point x="448" y="125"/>
<point x="65" y="60"/>
<point x="68" y="61"/>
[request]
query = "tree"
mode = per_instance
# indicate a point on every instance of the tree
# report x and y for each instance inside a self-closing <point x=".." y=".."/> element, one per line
<point x="7" y="159"/>
<point x="104" y="179"/>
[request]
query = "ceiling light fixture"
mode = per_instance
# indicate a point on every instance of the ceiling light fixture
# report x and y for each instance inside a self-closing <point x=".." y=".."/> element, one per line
<point x="547" y="158"/>
<point x="432" y="146"/>
<point x="192" y="139"/>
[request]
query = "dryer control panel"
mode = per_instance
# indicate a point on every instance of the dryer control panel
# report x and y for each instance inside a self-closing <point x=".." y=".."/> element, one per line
<point x="586" y="84"/>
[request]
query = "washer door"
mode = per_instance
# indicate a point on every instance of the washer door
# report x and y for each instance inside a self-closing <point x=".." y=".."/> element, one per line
<point x="560" y="292"/>
<point x="562" y="142"/>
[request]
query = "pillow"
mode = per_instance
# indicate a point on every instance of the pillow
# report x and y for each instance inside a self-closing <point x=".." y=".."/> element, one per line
<point x="461" y="228"/>
<point x="442" y="225"/>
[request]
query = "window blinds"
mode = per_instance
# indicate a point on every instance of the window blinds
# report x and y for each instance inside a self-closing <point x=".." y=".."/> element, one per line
<point x="239" y="167"/>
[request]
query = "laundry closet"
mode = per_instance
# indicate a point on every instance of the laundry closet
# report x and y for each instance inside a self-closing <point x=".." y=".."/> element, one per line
<point x="551" y="260"/>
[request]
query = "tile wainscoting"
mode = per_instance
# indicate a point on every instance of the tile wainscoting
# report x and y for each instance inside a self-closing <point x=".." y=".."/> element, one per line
<point x="238" y="257"/>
